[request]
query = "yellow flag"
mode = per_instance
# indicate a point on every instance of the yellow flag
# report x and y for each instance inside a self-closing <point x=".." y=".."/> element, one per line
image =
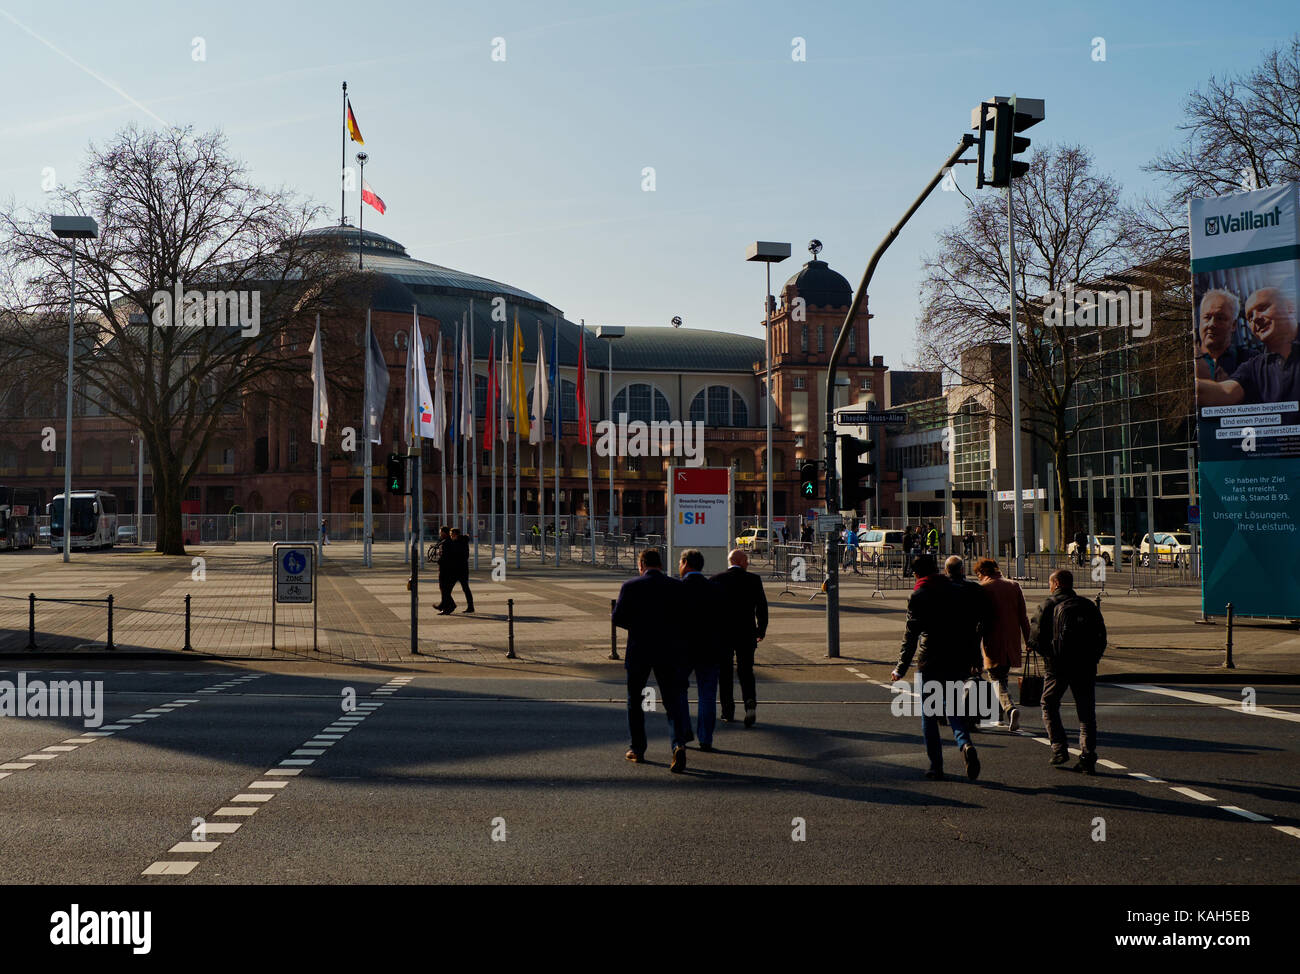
<point x="517" y="379"/>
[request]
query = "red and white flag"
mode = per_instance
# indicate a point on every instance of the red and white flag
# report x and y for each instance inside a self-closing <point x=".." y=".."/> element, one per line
<point x="368" y="195"/>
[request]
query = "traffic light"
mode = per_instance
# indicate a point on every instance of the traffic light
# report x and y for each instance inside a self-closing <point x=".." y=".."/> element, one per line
<point x="1007" y="145"/>
<point x="808" y="481"/>
<point x="852" y="471"/>
<point x="396" y="474"/>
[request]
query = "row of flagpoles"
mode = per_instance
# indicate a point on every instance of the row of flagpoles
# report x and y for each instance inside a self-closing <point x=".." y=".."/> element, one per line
<point x="426" y="416"/>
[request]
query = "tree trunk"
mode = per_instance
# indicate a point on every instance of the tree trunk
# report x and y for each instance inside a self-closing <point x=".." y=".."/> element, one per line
<point x="1061" y="450"/>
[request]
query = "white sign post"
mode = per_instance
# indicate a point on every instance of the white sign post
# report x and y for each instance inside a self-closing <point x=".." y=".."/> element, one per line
<point x="699" y="515"/>
<point x="294" y="582"/>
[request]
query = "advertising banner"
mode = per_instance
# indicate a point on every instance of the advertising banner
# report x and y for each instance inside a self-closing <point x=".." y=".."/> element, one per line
<point x="1245" y="252"/>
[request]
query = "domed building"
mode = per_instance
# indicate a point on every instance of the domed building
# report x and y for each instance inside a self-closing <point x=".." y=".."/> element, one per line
<point x="263" y="461"/>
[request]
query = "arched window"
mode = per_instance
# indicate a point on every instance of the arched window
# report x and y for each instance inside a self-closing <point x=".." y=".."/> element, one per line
<point x="803" y="339"/>
<point x="569" y="392"/>
<point x="643" y="402"/>
<point x="725" y="407"/>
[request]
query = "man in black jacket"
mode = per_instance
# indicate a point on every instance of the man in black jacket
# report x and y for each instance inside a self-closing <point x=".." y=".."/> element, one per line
<point x="745" y="624"/>
<point x="460" y="551"/>
<point x="448" y="561"/>
<point x="650" y="608"/>
<point x="1069" y="633"/>
<point x="702" y="623"/>
<point x="939" y="634"/>
<point x="976" y="607"/>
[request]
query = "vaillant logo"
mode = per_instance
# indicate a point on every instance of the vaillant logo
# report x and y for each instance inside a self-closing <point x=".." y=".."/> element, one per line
<point x="1245" y="220"/>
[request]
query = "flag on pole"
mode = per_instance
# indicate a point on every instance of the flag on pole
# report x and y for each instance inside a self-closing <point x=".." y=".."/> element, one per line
<point x="439" y="399"/>
<point x="537" y="433"/>
<point x="503" y="383"/>
<point x="320" y="406"/>
<point x="353" y="130"/>
<point x="584" y="427"/>
<point x="466" y="389"/>
<point x="521" y="385"/>
<point x="419" y="407"/>
<point x="368" y="195"/>
<point x="556" y="391"/>
<point x="490" y="414"/>
<point x="377" y="388"/>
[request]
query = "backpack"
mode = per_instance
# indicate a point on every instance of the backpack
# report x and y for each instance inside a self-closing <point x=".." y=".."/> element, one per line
<point x="1076" y="633"/>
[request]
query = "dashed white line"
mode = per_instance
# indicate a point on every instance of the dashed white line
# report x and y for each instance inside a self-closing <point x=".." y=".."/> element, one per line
<point x="1250" y="816"/>
<point x="1199" y="796"/>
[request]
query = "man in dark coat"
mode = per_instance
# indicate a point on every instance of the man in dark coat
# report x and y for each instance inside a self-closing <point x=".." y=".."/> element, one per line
<point x="938" y="634"/>
<point x="650" y="608"/>
<point x="460" y="550"/>
<point x="745" y="617"/>
<point x="448" y="558"/>
<point x="702" y="623"/>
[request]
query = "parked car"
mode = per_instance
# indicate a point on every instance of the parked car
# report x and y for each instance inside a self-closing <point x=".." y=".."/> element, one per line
<point x="752" y="537"/>
<point x="1168" y="548"/>
<point x="878" y="543"/>
<point x="1102" y="544"/>
<point x="126" y="534"/>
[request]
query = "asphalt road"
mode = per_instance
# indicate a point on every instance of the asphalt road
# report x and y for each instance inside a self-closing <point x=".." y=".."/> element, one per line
<point x="412" y="786"/>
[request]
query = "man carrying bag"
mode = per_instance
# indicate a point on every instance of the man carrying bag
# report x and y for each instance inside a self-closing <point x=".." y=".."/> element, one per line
<point x="1068" y="632"/>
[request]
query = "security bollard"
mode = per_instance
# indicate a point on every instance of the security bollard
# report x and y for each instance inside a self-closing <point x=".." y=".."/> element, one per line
<point x="510" y="621"/>
<point x="1227" y="659"/>
<point x="188" y="648"/>
<point x="110" y="623"/>
<point x="31" y="621"/>
<point x="613" y="631"/>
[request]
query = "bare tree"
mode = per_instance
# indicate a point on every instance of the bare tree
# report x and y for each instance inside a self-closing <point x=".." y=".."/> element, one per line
<point x="1241" y="132"/>
<point x="176" y="212"/>
<point x="1070" y="230"/>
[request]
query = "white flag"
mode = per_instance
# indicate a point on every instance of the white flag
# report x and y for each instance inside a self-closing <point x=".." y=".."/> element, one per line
<point x="538" y="433"/>
<point x="320" y="406"/>
<point x="466" y="388"/>
<point x="439" y="398"/>
<point x="503" y="383"/>
<point x="419" y="409"/>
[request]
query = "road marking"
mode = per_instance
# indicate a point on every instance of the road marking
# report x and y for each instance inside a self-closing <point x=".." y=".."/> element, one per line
<point x="1290" y="830"/>
<point x="1147" y="778"/>
<point x="268" y="784"/>
<point x="236" y="810"/>
<point x="115" y="727"/>
<point x="222" y="828"/>
<point x="38" y="757"/>
<point x="309" y="752"/>
<point x="284" y="771"/>
<point x="247" y="797"/>
<point x="1223" y="703"/>
<point x="1200" y="796"/>
<point x="80" y="740"/>
<point x="194" y="847"/>
<point x="1245" y="814"/>
<point x="169" y="869"/>
<point x="300" y="761"/>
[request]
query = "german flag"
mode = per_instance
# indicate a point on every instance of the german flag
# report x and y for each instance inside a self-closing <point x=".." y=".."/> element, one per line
<point x="353" y="130"/>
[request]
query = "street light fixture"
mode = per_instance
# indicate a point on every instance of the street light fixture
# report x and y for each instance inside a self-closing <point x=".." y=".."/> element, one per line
<point x="70" y="228"/>
<point x="769" y="253"/>
<point x="609" y="333"/>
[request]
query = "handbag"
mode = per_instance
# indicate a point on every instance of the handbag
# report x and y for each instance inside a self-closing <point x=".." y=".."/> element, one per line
<point x="1031" y="682"/>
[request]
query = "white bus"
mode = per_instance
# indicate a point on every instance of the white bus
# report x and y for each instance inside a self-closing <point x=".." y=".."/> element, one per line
<point x="94" y="519"/>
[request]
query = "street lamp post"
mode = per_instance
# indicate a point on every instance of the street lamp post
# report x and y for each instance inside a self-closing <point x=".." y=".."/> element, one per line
<point x="768" y="253"/>
<point x="609" y="333"/>
<point x="70" y="228"/>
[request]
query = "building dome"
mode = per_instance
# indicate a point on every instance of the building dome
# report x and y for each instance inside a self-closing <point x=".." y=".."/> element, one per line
<point x="817" y="284"/>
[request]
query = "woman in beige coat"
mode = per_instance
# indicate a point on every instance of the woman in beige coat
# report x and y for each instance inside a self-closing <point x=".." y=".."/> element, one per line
<point x="1010" y="624"/>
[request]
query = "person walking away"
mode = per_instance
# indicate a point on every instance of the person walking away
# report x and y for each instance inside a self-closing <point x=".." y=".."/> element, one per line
<point x="1069" y="632"/>
<point x="909" y="543"/>
<point x="325" y="530"/>
<point x="938" y="637"/>
<point x="977" y="613"/>
<point x="702" y="623"/>
<point x="460" y="544"/>
<point x="745" y="624"/>
<point x="649" y="607"/>
<point x="448" y="558"/>
<point x="1008" y="624"/>
<point x="1080" y="548"/>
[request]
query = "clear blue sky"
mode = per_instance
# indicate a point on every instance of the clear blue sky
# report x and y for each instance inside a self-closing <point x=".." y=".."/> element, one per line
<point x="529" y="170"/>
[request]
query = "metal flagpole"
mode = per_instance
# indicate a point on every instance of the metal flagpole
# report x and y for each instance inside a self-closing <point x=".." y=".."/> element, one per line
<point x="361" y="210"/>
<point x="473" y="426"/>
<point x="417" y="436"/>
<point x="343" y="164"/>
<point x="320" y="351"/>
<point x="489" y="427"/>
<point x="559" y="403"/>
<point x="541" y="448"/>
<point x="591" y="497"/>
<point x="365" y="453"/>
<point x="516" y="398"/>
<point x="442" y="440"/>
<point x="406" y="494"/>
<point x="504" y="425"/>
